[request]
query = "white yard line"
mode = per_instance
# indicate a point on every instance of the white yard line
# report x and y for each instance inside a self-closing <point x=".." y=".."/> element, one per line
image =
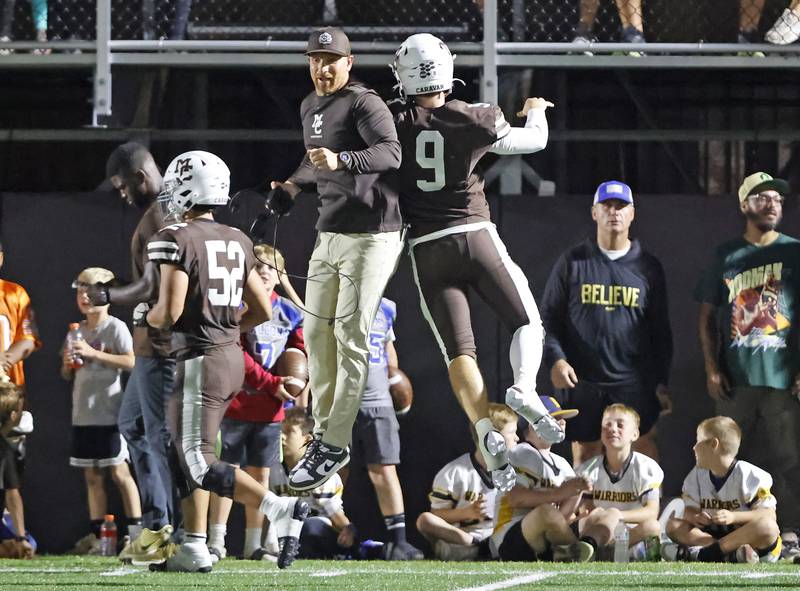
<point x="330" y="573"/>
<point x="511" y="582"/>
<point x="121" y="572"/>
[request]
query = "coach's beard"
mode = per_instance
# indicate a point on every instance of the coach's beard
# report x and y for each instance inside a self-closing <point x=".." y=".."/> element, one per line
<point x="759" y="221"/>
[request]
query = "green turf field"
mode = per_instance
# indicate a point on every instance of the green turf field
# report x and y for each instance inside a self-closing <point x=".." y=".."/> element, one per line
<point x="69" y="572"/>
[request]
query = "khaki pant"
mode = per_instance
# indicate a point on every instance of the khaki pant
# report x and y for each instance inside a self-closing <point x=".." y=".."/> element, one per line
<point x="770" y="424"/>
<point x="347" y="276"/>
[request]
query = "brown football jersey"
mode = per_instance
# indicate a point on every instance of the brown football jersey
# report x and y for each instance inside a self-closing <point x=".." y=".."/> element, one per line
<point x="217" y="258"/>
<point x="439" y="182"/>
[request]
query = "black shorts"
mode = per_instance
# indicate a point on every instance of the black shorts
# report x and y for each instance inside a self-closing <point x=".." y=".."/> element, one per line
<point x="97" y="446"/>
<point x="592" y="400"/>
<point x="446" y="269"/>
<point x="376" y="436"/>
<point x="249" y="443"/>
<point x="514" y="547"/>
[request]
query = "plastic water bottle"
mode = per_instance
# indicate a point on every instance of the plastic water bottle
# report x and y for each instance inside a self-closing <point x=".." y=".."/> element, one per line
<point x="74" y="335"/>
<point x="108" y="537"/>
<point x="621" y="539"/>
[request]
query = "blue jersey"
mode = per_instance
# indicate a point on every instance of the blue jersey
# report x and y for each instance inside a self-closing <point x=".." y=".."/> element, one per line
<point x="267" y="341"/>
<point x="376" y="392"/>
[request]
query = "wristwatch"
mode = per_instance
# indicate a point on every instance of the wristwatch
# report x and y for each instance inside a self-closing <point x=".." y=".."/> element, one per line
<point x="346" y="158"/>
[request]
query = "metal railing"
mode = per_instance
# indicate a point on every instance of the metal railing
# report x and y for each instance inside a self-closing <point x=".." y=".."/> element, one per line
<point x="489" y="35"/>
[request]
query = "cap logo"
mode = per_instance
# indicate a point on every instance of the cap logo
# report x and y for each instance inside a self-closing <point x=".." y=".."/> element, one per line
<point x="325" y="38"/>
<point x="614" y="189"/>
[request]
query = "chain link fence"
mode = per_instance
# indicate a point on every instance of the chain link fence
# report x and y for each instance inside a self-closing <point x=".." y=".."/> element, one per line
<point x="666" y="21"/>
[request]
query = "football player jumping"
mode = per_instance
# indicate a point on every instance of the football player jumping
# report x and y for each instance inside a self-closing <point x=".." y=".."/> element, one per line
<point x="455" y="246"/>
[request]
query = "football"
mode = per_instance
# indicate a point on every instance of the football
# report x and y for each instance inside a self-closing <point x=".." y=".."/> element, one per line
<point x="401" y="391"/>
<point x="292" y="364"/>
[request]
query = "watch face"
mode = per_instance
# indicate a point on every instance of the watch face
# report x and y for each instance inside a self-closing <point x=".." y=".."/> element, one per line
<point x="344" y="157"/>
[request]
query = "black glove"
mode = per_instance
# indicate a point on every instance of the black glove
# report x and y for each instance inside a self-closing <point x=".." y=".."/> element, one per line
<point x="98" y="294"/>
<point x="279" y="201"/>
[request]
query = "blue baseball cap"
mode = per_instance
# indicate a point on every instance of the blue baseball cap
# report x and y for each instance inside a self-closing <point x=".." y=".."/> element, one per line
<point x="613" y="190"/>
<point x="555" y="410"/>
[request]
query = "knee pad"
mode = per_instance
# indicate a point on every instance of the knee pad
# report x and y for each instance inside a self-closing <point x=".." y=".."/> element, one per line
<point x="183" y="485"/>
<point x="220" y="479"/>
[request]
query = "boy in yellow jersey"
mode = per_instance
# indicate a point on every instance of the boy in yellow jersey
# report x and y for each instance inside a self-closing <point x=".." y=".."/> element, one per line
<point x="730" y="511"/>
<point x="626" y="485"/>
<point x="532" y="521"/>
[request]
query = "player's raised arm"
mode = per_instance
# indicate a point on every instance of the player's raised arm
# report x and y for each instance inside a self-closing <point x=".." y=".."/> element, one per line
<point x="530" y="138"/>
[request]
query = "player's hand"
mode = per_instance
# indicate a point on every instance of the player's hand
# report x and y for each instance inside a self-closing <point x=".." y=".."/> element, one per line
<point x="477" y="510"/>
<point x="84" y="349"/>
<point x="575" y="486"/>
<point x="563" y="375"/>
<point x="281" y="393"/>
<point x="702" y="519"/>
<point x="323" y="158"/>
<point x="534" y="103"/>
<point x="664" y="399"/>
<point x="98" y="294"/>
<point x="6" y="362"/>
<point x="717" y="384"/>
<point x="24" y="549"/>
<point x="722" y="517"/>
<point x="347" y="537"/>
<point x="140" y="314"/>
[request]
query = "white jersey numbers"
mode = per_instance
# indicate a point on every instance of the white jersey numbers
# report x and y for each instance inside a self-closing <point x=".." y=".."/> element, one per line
<point x="232" y="274"/>
<point x="435" y="162"/>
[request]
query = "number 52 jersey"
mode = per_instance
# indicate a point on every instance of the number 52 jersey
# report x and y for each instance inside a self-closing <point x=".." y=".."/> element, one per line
<point x="217" y="258"/>
<point x="439" y="186"/>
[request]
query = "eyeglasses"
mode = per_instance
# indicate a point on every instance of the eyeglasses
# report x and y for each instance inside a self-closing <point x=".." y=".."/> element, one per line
<point x="764" y="198"/>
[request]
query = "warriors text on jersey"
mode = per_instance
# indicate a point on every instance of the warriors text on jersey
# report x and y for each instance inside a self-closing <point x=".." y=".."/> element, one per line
<point x="439" y="181"/>
<point x="535" y="469"/>
<point x="459" y="484"/>
<point x="217" y="259"/>
<point x="745" y="487"/>
<point x="639" y="482"/>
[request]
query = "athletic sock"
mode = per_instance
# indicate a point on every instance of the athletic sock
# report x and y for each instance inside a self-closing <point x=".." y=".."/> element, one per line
<point x="252" y="541"/>
<point x="271" y="505"/>
<point x="712" y="553"/>
<point x="94" y="526"/>
<point x="396" y="527"/>
<point x="216" y="535"/>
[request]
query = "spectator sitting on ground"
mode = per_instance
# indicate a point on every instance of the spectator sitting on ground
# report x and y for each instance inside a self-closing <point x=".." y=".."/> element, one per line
<point x="461" y="519"/>
<point x="532" y="521"/>
<point x="730" y="512"/>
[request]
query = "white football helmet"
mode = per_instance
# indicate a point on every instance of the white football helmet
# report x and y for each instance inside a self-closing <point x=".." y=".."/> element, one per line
<point x="194" y="178"/>
<point x="423" y="64"/>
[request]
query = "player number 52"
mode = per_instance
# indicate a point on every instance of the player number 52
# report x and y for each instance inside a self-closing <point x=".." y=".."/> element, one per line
<point x="232" y="279"/>
<point x="436" y="162"/>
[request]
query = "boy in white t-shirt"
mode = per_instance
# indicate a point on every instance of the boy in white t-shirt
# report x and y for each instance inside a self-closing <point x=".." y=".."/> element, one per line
<point x="730" y="511"/>
<point x="532" y="521"/>
<point x="626" y="485"/>
<point x="460" y="521"/>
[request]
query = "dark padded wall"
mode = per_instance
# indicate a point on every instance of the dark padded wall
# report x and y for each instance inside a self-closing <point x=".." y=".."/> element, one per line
<point x="49" y="238"/>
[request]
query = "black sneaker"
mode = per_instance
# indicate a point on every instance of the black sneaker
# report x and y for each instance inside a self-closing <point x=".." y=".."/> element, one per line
<point x="401" y="551"/>
<point x="320" y="462"/>
<point x="289" y="528"/>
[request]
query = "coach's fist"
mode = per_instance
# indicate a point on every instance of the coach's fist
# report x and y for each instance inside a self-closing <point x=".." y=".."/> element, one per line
<point x="534" y="103"/>
<point x="323" y="158"/>
<point x="563" y="375"/>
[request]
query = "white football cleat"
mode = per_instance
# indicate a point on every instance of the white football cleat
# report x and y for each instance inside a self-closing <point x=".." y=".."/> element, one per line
<point x="188" y="558"/>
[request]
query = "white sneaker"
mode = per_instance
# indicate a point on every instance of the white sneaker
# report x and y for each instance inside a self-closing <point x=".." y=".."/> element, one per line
<point x="320" y="462"/>
<point x="217" y="553"/>
<point x="495" y="454"/>
<point x="672" y="552"/>
<point x="746" y="555"/>
<point x="189" y="558"/>
<point x="288" y="525"/>
<point x="455" y="552"/>
<point x="575" y="552"/>
<point x="786" y="29"/>
<point x="545" y="426"/>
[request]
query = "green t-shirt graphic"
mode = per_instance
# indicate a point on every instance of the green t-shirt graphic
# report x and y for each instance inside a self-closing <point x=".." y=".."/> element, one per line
<point x="755" y="290"/>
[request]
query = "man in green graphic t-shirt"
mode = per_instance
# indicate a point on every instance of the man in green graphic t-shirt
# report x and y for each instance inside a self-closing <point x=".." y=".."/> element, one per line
<point x="748" y="330"/>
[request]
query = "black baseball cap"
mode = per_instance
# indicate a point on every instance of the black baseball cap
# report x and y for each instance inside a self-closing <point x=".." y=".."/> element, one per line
<point x="328" y="40"/>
